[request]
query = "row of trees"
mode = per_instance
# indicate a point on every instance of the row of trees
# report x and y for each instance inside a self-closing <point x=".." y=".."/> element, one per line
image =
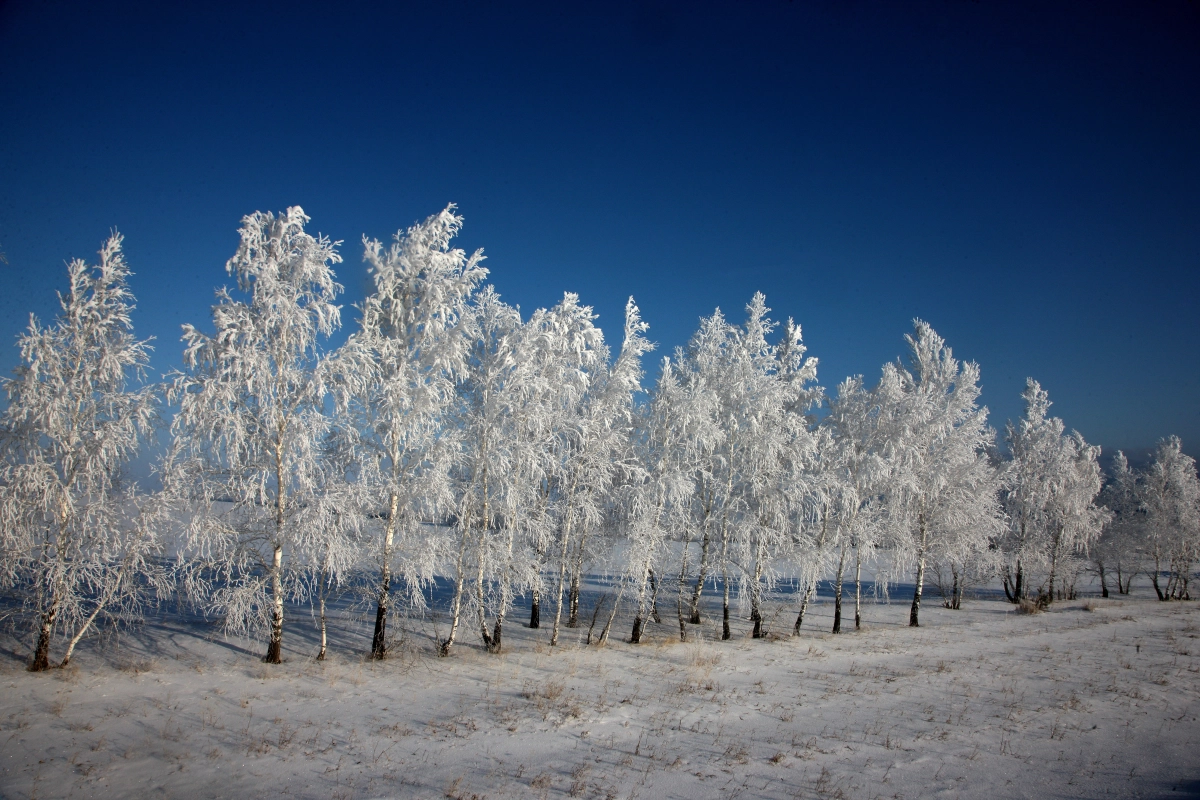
<point x="450" y="438"/>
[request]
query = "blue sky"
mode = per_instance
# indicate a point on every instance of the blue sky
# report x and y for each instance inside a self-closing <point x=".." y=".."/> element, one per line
<point x="1024" y="176"/>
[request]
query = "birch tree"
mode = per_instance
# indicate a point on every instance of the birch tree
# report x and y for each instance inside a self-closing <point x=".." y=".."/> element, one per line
<point x="77" y="542"/>
<point x="853" y="474"/>
<point x="497" y="372"/>
<point x="1171" y="496"/>
<point x="758" y="395"/>
<point x="943" y="491"/>
<point x="1048" y="488"/>
<point x="1117" y="551"/>
<point x="401" y="371"/>
<point x="250" y="425"/>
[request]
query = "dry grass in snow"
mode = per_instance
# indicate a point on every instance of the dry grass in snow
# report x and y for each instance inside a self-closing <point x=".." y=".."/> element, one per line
<point x="1096" y="698"/>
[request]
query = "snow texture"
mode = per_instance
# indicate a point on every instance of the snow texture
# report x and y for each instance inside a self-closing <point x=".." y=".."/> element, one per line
<point x="1096" y="698"/>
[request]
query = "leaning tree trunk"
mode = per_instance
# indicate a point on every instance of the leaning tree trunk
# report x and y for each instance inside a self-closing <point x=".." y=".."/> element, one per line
<point x="808" y="593"/>
<point x="79" y="633"/>
<point x="384" y="594"/>
<point x="459" y="576"/>
<point x="654" y="598"/>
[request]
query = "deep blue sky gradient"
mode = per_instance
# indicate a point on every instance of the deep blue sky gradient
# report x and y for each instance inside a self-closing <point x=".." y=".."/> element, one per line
<point x="1024" y="176"/>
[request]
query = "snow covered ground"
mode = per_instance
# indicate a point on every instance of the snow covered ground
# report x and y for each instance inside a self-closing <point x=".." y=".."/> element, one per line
<point x="1096" y="698"/>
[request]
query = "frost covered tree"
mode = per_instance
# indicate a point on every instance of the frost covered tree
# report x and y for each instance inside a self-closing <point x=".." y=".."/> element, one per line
<point x="1117" y="551"/>
<point x="401" y="372"/>
<point x="496" y="385"/>
<point x="746" y="450"/>
<point x="598" y="464"/>
<point x="782" y="455"/>
<point x="76" y="541"/>
<point x="851" y="477"/>
<point x="942" y="495"/>
<point x="677" y="428"/>
<point x="1049" y="488"/>
<point x="652" y="505"/>
<point x="1171" y="497"/>
<point x="582" y="466"/>
<point x="250" y="428"/>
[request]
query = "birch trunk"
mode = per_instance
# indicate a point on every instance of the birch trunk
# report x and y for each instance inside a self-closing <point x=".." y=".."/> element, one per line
<point x="837" y="591"/>
<point x="679" y="604"/>
<point x="703" y="574"/>
<point x="808" y="593"/>
<point x="913" y="618"/>
<point x="562" y="564"/>
<point x="857" y="589"/>
<point x="379" y="639"/>
<point x="324" y="638"/>
<point x="275" y="646"/>
<point x="456" y="605"/>
<point x="725" y="634"/>
<point x="41" y="654"/>
<point x="755" y="596"/>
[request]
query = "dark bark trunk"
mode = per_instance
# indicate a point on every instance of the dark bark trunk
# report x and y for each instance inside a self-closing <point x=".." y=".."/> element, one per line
<point x="837" y="593"/>
<point x="495" y="644"/>
<point x="573" y="603"/>
<point x="535" y="610"/>
<point x="41" y="654"/>
<point x="636" y="636"/>
<point x="379" y="639"/>
<point x="274" y="648"/>
<point x="915" y="609"/>
<point x="1103" y="582"/>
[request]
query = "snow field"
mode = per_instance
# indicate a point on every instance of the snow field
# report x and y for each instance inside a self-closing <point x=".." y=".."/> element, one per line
<point x="1095" y="698"/>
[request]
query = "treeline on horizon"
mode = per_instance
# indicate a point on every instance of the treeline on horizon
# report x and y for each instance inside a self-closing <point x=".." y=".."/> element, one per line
<point x="297" y="474"/>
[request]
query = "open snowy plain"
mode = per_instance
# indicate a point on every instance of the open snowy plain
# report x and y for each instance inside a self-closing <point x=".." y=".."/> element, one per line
<point x="1095" y="698"/>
